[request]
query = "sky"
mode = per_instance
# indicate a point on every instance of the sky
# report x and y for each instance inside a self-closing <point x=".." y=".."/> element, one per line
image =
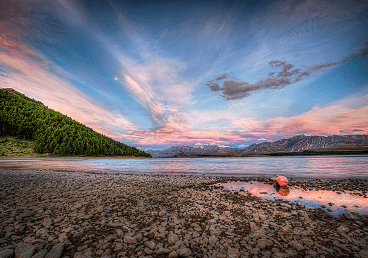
<point x="164" y="73"/>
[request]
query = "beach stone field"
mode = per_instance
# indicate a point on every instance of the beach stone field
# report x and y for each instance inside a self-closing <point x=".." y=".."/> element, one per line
<point x="56" y="214"/>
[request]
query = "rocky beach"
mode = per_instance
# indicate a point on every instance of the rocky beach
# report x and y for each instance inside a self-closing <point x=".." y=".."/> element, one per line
<point x="56" y="214"/>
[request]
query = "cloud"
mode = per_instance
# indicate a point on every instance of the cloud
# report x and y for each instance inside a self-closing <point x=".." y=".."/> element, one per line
<point x="243" y="145"/>
<point x="157" y="85"/>
<point x="341" y="131"/>
<point x="236" y="89"/>
<point x="362" y="51"/>
<point x="358" y="130"/>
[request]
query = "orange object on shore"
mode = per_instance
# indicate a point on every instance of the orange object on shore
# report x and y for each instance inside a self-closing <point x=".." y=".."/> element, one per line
<point x="282" y="181"/>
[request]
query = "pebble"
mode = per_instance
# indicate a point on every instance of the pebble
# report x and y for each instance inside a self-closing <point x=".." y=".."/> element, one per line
<point x="61" y="214"/>
<point x="348" y="215"/>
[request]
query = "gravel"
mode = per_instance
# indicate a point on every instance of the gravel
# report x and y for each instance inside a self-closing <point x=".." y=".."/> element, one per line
<point x="63" y="214"/>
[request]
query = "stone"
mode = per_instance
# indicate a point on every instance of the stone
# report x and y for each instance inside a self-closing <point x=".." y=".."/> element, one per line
<point x="184" y="252"/>
<point x="363" y="253"/>
<point x="85" y="217"/>
<point x="212" y="240"/>
<point x="348" y="215"/>
<point x="100" y="209"/>
<point x="296" y="245"/>
<point x="343" y="229"/>
<point x="265" y="242"/>
<point x="6" y="253"/>
<point x="163" y="251"/>
<point x="78" y="234"/>
<point x="118" y="247"/>
<point x="116" y="224"/>
<point x="120" y="233"/>
<point x="130" y="240"/>
<point x="150" y="244"/>
<point x="172" y="238"/>
<point x="63" y="237"/>
<point x="24" y="251"/>
<point x="148" y="251"/>
<point x="56" y="251"/>
<point x="233" y="252"/>
<point x="40" y="254"/>
<point x="173" y="255"/>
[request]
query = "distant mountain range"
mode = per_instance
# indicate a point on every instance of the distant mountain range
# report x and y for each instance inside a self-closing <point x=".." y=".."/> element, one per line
<point x="295" y="144"/>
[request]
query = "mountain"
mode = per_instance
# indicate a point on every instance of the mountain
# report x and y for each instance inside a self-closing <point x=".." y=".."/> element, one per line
<point x="182" y="151"/>
<point x="52" y="132"/>
<point x="295" y="144"/>
<point x="303" y="142"/>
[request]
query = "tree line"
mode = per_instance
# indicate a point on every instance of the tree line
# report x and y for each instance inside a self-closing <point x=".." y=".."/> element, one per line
<point x="53" y="132"/>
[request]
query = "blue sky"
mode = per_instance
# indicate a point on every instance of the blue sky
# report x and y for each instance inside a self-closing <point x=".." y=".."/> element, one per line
<point x="154" y="75"/>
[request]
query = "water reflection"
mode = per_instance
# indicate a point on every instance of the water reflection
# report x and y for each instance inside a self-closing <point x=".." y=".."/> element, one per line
<point x="311" y="198"/>
<point x="282" y="191"/>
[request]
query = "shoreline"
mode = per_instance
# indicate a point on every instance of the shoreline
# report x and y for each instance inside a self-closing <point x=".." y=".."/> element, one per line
<point x="92" y="215"/>
<point x="69" y="158"/>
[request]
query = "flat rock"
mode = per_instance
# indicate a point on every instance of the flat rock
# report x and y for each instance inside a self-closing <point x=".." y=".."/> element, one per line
<point x="24" y="251"/>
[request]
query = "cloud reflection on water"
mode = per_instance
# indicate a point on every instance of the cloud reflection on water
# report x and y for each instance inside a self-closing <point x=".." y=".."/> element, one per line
<point x="311" y="198"/>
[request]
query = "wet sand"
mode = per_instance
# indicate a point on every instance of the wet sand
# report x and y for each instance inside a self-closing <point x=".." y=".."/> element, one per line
<point x="63" y="214"/>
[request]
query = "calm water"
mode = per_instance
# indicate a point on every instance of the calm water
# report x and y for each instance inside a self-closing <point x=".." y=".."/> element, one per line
<point x="311" y="198"/>
<point x="296" y="167"/>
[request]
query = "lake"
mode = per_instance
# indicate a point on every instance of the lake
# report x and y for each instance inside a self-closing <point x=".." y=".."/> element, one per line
<point x="338" y="167"/>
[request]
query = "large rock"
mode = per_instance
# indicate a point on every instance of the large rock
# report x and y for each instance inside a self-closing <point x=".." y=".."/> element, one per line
<point x="24" y="251"/>
<point x="7" y="253"/>
<point x="172" y="238"/>
<point x="56" y="251"/>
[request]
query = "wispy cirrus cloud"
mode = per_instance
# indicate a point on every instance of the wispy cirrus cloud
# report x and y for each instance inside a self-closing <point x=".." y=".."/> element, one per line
<point x="27" y="71"/>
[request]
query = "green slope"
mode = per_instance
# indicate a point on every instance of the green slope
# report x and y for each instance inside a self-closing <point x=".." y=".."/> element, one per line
<point x="52" y="132"/>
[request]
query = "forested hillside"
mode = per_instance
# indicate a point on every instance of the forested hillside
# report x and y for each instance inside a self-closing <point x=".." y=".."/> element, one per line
<point x="53" y="132"/>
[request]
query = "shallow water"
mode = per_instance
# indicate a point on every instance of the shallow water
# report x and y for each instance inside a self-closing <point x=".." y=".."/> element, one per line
<point x="354" y="166"/>
<point x="312" y="198"/>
